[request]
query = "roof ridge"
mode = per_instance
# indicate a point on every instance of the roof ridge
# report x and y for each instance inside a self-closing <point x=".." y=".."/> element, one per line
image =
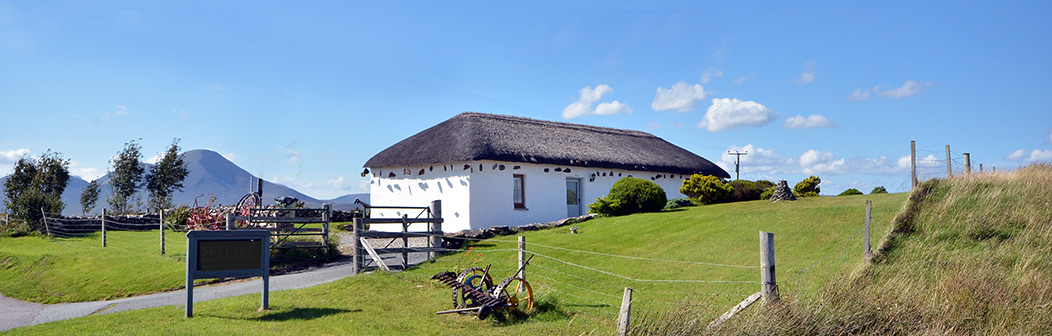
<point x="568" y="125"/>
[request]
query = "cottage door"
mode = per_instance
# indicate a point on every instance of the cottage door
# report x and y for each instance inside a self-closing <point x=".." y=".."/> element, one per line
<point x="573" y="197"/>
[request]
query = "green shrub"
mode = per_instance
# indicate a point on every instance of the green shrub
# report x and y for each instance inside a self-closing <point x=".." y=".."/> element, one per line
<point x="678" y="203"/>
<point x="630" y="195"/>
<point x="850" y="191"/>
<point x="175" y="219"/>
<point x="879" y="190"/>
<point x="768" y="192"/>
<point x="808" y="187"/>
<point x="706" y="189"/>
<point x="745" y="190"/>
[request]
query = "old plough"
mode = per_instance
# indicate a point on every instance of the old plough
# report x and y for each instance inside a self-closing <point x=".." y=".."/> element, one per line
<point x="474" y="293"/>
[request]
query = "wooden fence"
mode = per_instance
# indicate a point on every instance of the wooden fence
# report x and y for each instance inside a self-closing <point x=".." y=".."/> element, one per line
<point x="431" y="216"/>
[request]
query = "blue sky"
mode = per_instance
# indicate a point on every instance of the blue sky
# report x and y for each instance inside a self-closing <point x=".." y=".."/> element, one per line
<point x="303" y="93"/>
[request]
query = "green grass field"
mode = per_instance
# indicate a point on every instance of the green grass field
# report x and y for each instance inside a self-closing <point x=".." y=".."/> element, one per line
<point x="577" y="292"/>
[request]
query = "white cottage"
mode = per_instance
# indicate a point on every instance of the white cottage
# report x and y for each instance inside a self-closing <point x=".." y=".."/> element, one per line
<point x="501" y="170"/>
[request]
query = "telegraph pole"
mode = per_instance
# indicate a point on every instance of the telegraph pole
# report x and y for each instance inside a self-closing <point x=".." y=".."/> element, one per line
<point x="737" y="161"/>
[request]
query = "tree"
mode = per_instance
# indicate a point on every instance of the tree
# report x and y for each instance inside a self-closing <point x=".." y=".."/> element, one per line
<point x="166" y="177"/>
<point x="879" y="190"/>
<point x="705" y="189"/>
<point x="89" y="196"/>
<point x="808" y="187"/>
<point x="850" y="191"/>
<point x="126" y="177"/>
<point x="37" y="184"/>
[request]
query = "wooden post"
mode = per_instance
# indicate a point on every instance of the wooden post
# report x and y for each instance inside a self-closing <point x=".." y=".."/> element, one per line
<point x="967" y="164"/>
<point x="405" y="241"/>
<point x="103" y="227"/>
<point x="522" y="257"/>
<point x="325" y="216"/>
<point x="769" y="286"/>
<point x="949" y="170"/>
<point x="913" y="162"/>
<point x="356" y="250"/>
<point x="624" y="317"/>
<point x="44" y="218"/>
<point x="230" y="221"/>
<point x="160" y="225"/>
<point x="867" y="252"/>
<point x="980" y="168"/>
<point x="372" y="253"/>
<point x="435" y="228"/>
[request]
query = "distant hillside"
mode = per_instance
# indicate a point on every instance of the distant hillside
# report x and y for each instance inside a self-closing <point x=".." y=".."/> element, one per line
<point x="210" y="173"/>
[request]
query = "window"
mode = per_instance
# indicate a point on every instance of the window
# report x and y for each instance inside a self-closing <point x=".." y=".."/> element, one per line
<point x="519" y="191"/>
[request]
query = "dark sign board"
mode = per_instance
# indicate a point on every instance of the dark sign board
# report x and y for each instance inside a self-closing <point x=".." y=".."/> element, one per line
<point x="229" y="255"/>
<point x="222" y="254"/>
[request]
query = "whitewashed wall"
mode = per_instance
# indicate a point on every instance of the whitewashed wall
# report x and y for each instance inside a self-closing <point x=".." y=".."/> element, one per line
<point x="481" y="196"/>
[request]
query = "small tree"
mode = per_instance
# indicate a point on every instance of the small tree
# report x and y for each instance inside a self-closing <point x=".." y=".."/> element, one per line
<point x="705" y="189"/>
<point x="850" y="191"/>
<point x="126" y="177"/>
<point x="37" y="184"/>
<point x="879" y="190"/>
<point x="89" y="197"/>
<point x="808" y="187"/>
<point x="166" y="177"/>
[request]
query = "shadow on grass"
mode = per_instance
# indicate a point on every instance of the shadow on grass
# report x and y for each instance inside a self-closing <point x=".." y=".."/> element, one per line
<point x="305" y="314"/>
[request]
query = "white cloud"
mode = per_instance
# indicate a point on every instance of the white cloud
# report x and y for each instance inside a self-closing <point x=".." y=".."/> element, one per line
<point x="808" y="75"/>
<point x="812" y="121"/>
<point x="86" y="173"/>
<point x="816" y="162"/>
<point x="154" y="159"/>
<point x="742" y="79"/>
<point x="12" y="156"/>
<point x="731" y="113"/>
<point x="908" y="89"/>
<point x="1016" y="155"/>
<point x="681" y="97"/>
<point x="765" y="162"/>
<point x="341" y="183"/>
<point x="292" y="157"/>
<point x="1040" y="155"/>
<point x="120" y="112"/>
<point x="923" y="162"/>
<point x="230" y="156"/>
<point x="709" y="74"/>
<point x="583" y="105"/>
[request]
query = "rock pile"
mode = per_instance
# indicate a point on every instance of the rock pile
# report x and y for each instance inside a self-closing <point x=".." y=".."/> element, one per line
<point x="782" y="193"/>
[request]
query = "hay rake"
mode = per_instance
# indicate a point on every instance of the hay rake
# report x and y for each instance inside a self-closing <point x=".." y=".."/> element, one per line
<point x="473" y="292"/>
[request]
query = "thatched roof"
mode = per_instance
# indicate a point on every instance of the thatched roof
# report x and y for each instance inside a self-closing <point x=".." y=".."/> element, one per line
<point x="477" y="136"/>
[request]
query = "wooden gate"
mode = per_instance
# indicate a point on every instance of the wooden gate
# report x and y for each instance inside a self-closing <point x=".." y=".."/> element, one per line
<point x="364" y="229"/>
<point x="285" y="224"/>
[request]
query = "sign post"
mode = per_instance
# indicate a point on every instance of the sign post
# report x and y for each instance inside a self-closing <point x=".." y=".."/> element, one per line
<point x="223" y="254"/>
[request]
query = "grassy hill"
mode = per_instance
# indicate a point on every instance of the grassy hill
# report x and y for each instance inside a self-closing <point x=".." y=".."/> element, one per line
<point x="969" y="255"/>
<point x="578" y="292"/>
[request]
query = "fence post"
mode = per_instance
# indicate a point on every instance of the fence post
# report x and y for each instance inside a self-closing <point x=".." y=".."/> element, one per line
<point x="949" y="171"/>
<point x="913" y="162"/>
<point x="867" y="252"/>
<point x="435" y="228"/>
<point x="325" y="217"/>
<point x="160" y="225"/>
<point x="356" y="250"/>
<point x="624" y="317"/>
<point x="43" y="217"/>
<point x="405" y="242"/>
<point x="769" y="286"/>
<point x="980" y="168"/>
<point x="967" y="164"/>
<point x="522" y="257"/>
<point x="103" y="227"/>
<point x="230" y="221"/>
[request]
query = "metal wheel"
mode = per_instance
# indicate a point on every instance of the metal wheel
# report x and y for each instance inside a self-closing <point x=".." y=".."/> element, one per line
<point x="245" y="205"/>
<point x="518" y="293"/>
<point x="472" y="277"/>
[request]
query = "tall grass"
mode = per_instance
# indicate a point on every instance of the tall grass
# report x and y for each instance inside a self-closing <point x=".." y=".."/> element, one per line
<point x="968" y="255"/>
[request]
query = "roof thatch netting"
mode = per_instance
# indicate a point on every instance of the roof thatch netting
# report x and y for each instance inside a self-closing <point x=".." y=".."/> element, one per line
<point x="477" y="136"/>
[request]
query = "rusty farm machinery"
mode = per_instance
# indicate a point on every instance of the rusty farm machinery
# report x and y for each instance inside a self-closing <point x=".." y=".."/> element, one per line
<point x="474" y="293"/>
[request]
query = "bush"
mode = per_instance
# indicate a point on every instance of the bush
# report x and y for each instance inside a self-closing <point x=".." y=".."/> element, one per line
<point x="850" y="191"/>
<point x="630" y="195"/>
<point x="808" y="187"/>
<point x="705" y="189"/>
<point x="879" y="190"/>
<point x="768" y="192"/>
<point x="678" y="203"/>
<point x="745" y="190"/>
<point x="175" y="218"/>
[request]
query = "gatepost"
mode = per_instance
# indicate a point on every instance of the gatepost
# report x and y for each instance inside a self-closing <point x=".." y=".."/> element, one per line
<point x="223" y="254"/>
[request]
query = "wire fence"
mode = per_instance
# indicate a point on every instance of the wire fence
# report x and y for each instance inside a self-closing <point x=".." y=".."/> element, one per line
<point x="142" y="234"/>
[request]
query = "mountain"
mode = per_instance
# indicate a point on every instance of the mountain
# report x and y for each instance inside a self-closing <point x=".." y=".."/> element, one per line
<point x="210" y="173"/>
